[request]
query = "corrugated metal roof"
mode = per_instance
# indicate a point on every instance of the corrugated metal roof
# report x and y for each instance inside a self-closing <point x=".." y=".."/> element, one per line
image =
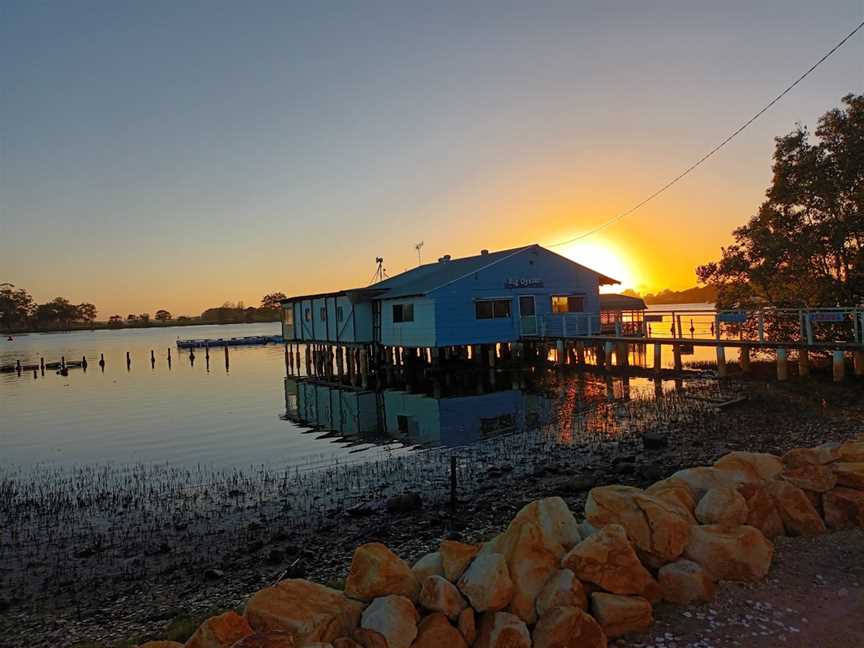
<point x="613" y="302"/>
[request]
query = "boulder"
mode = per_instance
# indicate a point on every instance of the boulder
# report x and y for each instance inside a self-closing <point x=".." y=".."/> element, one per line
<point x="429" y="565"/>
<point x="607" y="560"/>
<point x="369" y="638"/>
<point x="161" y="644"/>
<point x="738" y="554"/>
<point x="562" y="589"/>
<point x="811" y="477"/>
<point x="762" y="465"/>
<point x="220" y="631"/>
<point x="271" y="640"/>
<point x="762" y="513"/>
<point x="685" y="581"/>
<point x="502" y="630"/>
<point x="455" y="558"/>
<point x="531" y="560"/>
<point x="800" y="517"/>
<point x="677" y="493"/>
<point x="310" y="612"/>
<point x="656" y="528"/>
<point x="818" y="456"/>
<point x="468" y="626"/>
<point x="376" y="571"/>
<point x="553" y="516"/>
<point x="346" y="642"/>
<point x="568" y="627"/>
<point x="586" y="529"/>
<point x="852" y="451"/>
<point x="850" y="474"/>
<point x="844" y="508"/>
<point x="702" y="478"/>
<point x="394" y="617"/>
<point x="486" y="583"/>
<point x="437" y="594"/>
<point x="435" y="631"/>
<point x="724" y="505"/>
<point x="620" y="615"/>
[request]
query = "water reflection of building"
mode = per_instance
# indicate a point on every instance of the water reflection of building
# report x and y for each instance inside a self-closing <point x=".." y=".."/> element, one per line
<point x="413" y="419"/>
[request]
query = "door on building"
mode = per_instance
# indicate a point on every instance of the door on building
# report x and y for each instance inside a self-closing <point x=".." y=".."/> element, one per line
<point x="527" y="316"/>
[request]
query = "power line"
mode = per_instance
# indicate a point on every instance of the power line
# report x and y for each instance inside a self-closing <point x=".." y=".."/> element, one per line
<point x="710" y="153"/>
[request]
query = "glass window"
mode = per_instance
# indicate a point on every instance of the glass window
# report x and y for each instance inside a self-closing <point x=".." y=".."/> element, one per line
<point x="492" y="308"/>
<point x="340" y="315"/>
<point x="324" y="313"/>
<point x="308" y="314"/>
<point x="403" y="313"/>
<point x="288" y="315"/>
<point x="568" y="303"/>
<point x="526" y="305"/>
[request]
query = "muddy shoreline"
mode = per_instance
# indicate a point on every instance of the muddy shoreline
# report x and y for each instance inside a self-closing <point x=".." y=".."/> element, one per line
<point x="194" y="576"/>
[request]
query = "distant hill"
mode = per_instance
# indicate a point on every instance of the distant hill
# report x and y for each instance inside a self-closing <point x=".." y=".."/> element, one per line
<point x="695" y="295"/>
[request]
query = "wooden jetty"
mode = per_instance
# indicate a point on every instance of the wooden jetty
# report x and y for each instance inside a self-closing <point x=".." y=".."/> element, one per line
<point x="252" y="340"/>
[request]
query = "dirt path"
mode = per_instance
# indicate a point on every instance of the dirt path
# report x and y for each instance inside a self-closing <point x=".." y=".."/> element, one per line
<point x="813" y="598"/>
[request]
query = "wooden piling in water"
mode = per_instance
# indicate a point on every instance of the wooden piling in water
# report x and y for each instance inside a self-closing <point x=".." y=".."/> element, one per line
<point x="721" y="362"/>
<point x="607" y="353"/>
<point x="839" y="362"/>
<point x="858" y="363"/>
<point x="744" y="359"/>
<point x="782" y="365"/>
<point x="658" y="357"/>
<point x="803" y="363"/>
<point x="676" y="354"/>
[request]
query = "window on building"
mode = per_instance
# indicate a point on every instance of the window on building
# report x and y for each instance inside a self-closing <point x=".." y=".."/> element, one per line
<point x="324" y="313"/>
<point x="288" y="316"/>
<point x="568" y="303"/>
<point x="492" y="308"/>
<point x="403" y="313"/>
<point x="307" y="314"/>
<point x="340" y="315"/>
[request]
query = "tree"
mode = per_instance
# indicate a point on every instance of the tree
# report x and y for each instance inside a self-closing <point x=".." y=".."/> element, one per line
<point x="162" y="315"/>
<point x="144" y="318"/>
<point x="115" y="321"/>
<point x="58" y="313"/>
<point x="85" y="312"/>
<point x="16" y="307"/>
<point x="805" y="245"/>
<point x="271" y="300"/>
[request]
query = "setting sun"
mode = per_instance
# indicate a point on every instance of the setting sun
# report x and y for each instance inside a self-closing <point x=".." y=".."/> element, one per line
<point x="602" y="256"/>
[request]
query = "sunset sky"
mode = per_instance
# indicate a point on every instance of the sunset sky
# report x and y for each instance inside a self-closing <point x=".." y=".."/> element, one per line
<point x="178" y="154"/>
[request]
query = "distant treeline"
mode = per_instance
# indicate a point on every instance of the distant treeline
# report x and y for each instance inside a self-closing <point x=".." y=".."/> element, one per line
<point x="20" y="314"/>
<point x="696" y="295"/>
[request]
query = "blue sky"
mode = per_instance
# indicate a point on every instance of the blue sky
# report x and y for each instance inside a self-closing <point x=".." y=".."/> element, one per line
<point x="180" y="154"/>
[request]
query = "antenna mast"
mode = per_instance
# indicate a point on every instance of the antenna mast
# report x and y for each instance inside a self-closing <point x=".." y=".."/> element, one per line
<point x="418" y="247"/>
<point x="380" y="272"/>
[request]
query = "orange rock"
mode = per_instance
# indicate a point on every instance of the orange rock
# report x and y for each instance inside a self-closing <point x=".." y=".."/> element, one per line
<point x="394" y="617"/>
<point x="738" y="554"/>
<point x="849" y="474"/>
<point x="435" y="631"/>
<point x="656" y="528"/>
<point x="607" y="559"/>
<point x="437" y="594"/>
<point x="800" y="517"/>
<point x="724" y="505"/>
<point x="455" y="558"/>
<point x="220" y="631"/>
<point x="161" y="644"/>
<point x="568" y="627"/>
<point x="530" y="563"/>
<point x="486" y="583"/>
<point x="620" y="615"/>
<point x="562" y="589"/>
<point x="556" y="521"/>
<point x="818" y="456"/>
<point x="267" y="640"/>
<point x="369" y="638"/>
<point x="376" y="571"/>
<point x="677" y="493"/>
<point x="704" y="478"/>
<point x="468" y="625"/>
<point x="763" y="465"/>
<point x="310" y="612"/>
<point x="502" y="630"/>
<point x="844" y="508"/>
<point x="429" y="565"/>
<point x="685" y="581"/>
<point x="762" y="513"/>
<point x="345" y="642"/>
<point x="852" y="452"/>
<point x="811" y="477"/>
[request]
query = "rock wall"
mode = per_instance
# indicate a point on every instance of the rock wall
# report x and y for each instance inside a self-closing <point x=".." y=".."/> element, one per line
<point x="550" y="582"/>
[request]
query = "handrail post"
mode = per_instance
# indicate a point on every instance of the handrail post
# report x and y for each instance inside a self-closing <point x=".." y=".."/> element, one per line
<point x="762" y="326"/>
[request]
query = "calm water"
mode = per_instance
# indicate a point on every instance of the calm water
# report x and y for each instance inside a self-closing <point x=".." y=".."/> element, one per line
<point x="187" y="414"/>
<point x="237" y="415"/>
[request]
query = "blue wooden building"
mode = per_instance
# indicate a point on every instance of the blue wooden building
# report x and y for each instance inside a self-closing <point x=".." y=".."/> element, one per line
<point x="494" y="297"/>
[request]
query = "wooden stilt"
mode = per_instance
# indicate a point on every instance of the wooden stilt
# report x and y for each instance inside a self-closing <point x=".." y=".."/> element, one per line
<point x="782" y="365"/>
<point x="803" y="363"/>
<point x="658" y="357"/>
<point x="676" y="355"/>
<point x="839" y="366"/>
<point x="744" y="359"/>
<point x="858" y="361"/>
<point x="721" y="361"/>
<point x="607" y="352"/>
<point x="580" y="353"/>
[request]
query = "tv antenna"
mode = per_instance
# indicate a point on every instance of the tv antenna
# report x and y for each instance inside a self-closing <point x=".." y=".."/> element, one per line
<point x="380" y="272"/>
<point x="418" y="247"/>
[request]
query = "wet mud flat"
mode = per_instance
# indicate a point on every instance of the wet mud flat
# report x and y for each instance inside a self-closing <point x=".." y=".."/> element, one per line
<point x="114" y="555"/>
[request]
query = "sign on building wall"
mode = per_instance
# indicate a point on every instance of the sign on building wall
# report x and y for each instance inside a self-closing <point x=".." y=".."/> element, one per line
<point x="732" y="317"/>
<point x="523" y="283"/>
<point x="828" y="317"/>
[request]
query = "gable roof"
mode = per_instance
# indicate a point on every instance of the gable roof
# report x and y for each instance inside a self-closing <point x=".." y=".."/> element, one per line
<point x="615" y="302"/>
